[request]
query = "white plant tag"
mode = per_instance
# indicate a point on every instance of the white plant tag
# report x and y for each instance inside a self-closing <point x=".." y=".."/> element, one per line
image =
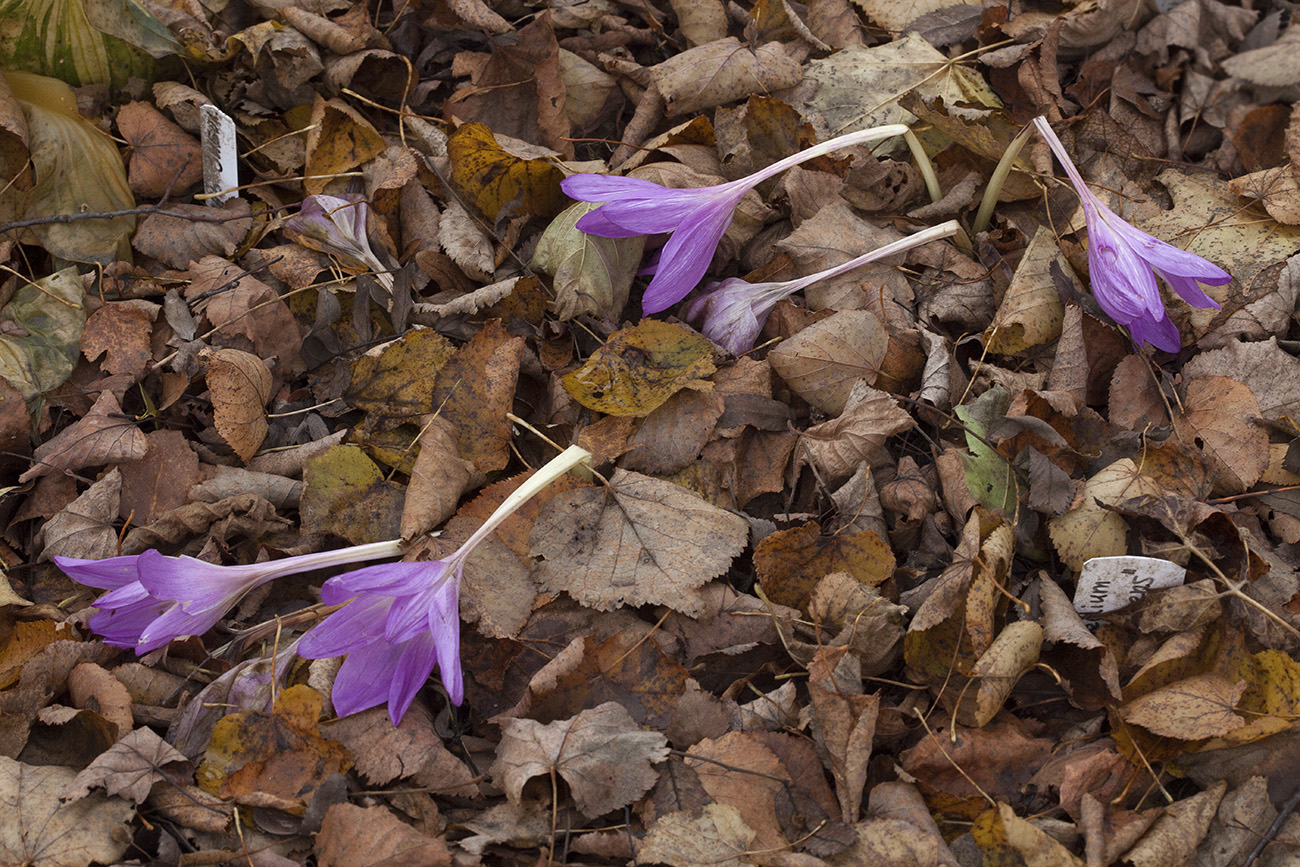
<point x="220" y="157"/>
<point x="1110" y="583"/>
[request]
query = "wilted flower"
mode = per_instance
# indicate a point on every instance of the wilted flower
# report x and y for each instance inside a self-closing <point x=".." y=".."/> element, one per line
<point x="153" y="599"/>
<point x="696" y="218"/>
<point x="402" y="619"/>
<point x="1121" y="260"/>
<point x="734" y="311"/>
<point x="337" y="224"/>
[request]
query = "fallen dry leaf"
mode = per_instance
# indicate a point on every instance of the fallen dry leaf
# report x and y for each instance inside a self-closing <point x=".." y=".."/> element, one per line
<point x="129" y="768"/>
<point x="104" y="435"/>
<point x="43" y="831"/>
<point x="352" y="836"/>
<point x="637" y="541"/>
<point x="601" y="753"/>
<point x="241" y="385"/>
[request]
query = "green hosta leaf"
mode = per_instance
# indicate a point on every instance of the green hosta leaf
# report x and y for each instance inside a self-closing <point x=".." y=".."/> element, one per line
<point x="992" y="480"/>
<point x="82" y="41"/>
<point x="592" y="275"/>
<point x="42" y="337"/>
<point x="78" y="170"/>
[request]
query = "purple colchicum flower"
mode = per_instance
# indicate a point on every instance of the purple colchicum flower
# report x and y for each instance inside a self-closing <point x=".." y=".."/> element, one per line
<point x="734" y="311"/>
<point x="337" y="224"/>
<point x="153" y="599"/>
<point x="402" y="619"/>
<point x="696" y="218"/>
<point x="1121" y="260"/>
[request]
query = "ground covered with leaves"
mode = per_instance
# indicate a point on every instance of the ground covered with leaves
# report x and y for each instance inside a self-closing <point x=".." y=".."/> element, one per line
<point x="819" y="604"/>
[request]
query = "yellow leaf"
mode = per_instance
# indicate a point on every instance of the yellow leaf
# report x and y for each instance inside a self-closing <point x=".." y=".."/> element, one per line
<point x="491" y="178"/>
<point x="639" y="368"/>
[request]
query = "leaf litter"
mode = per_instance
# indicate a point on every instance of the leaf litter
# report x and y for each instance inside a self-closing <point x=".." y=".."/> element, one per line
<point x="811" y="605"/>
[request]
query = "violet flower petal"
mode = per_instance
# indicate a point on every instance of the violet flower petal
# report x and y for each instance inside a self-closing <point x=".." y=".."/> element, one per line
<point x="1123" y="262"/>
<point x="108" y="574"/>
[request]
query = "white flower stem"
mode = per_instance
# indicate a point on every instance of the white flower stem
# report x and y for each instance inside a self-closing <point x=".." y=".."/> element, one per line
<point x="924" y="164"/>
<point x="862" y="136"/>
<point x="932" y="233"/>
<point x="536" y="483"/>
<point x="322" y="559"/>
<point x="984" y="215"/>
<point x="1049" y="136"/>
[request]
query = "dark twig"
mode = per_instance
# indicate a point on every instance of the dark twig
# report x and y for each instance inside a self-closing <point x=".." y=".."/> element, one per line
<point x="217" y="217"/>
<point x="1282" y="815"/>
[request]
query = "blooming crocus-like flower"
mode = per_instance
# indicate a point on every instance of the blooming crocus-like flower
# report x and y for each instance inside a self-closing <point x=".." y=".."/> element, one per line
<point x="402" y="619"/>
<point x="1121" y="260"/>
<point x="734" y="311"/>
<point x="337" y="224"/>
<point x="153" y="599"/>
<point x="696" y="218"/>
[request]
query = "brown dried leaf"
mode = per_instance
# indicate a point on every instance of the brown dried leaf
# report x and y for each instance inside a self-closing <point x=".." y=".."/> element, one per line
<point x="475" y="389"/>
<point x="438" y="479"/>
<point x="639" y="541"/>
<point x="716" y="836"/>
<point x="165" y="159"/>
<point x="245" y="305"/>
<point x="120" y="331"/>
<point x="93" y="688"/>
<point x="824" y="361"/>
<point x="1192" y="709"/>
<point x="160" y="482"/>
<point x="339" y="140"/>
<point x="42" y="831"/>
<point x="84" y="528"/>
<point x="129" y="768"/>
<point x="739" y="771"/>
<point x="241" y="515"/>
<point x="846" y="724"/>
<point x="1218" y="415"/>
<point x="790" y="563"/>
<point x="721" y="72"/>
<point x="839" y="446"/>
<point x="601" y="753"/>
<point x="674" y="434"/>
<point x="179" y="240"/>
<point x="352" y="836"/>
<point x="240" y="383"/>
<point x="102" y="436"/>
<point x="385" y="753"/>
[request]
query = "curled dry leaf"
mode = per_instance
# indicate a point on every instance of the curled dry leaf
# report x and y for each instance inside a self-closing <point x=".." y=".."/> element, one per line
<point x="438" y="479"/>
<point x="591" y="274"/>
<point x="639" y="541"/>
<point x="601" y="753"/>
<point x="240" y="383"/>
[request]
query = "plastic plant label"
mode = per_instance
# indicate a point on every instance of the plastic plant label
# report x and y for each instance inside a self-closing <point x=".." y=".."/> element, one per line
<point x="1110" y="583"/>
<point x="220" y="156"/>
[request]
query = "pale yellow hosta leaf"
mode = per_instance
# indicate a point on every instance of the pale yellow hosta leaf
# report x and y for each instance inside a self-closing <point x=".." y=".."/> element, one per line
<point x="78" y="170"/>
